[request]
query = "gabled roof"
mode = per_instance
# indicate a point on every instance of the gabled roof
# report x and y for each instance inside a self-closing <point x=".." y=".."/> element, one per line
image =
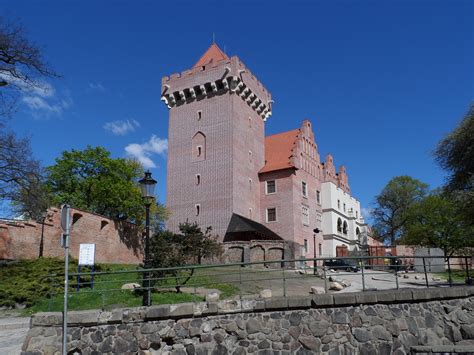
<point x="214" y="54"/>
<point x="244" y="229"/>
<point x="279" y="150"/>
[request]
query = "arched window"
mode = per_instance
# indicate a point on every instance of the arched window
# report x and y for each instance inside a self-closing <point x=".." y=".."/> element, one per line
<point x="339" y="225"/>
<point x="199" y="147"/>
<point x="344" y="227"/>
<point x="357" y="231"/>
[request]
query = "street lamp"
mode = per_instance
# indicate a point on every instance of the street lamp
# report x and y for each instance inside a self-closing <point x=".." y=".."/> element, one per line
<point x="43" y="219"/>
<point x="316" y="231"/>
<point x="147" y="187"/>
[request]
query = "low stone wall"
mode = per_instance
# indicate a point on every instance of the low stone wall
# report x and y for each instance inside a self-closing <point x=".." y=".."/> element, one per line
<point x="361" y="323"/>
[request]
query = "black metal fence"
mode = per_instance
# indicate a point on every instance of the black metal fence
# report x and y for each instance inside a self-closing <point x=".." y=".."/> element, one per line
<point x="121" y="287"/>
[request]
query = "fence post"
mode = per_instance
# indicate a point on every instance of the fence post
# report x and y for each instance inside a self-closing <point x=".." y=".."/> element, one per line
<point x="284" y="283"/>
<point x="325" y="280"/>
<point x="396" y="273"/>
<point x="426" y="276"/>
<point x="450" y="280"/>
<point x="363" y="277"/>
<point x="240" y="286"/>
<point x="467" y="270"/>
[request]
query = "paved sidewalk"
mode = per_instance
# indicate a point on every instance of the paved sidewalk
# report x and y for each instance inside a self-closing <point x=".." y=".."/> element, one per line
<point x="13" y="332"/>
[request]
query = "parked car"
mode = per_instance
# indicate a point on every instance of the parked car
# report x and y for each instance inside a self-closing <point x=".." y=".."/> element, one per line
<point x="338" y="264"/>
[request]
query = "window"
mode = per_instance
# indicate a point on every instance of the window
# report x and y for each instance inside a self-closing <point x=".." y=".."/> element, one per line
<point x="250" y="184"/>
<point x="103" y="224"/>
<point x="198" y="179"/>
<point x="271" y="215"/>
<point x="305" y="215"/>
<point x="199" y="147"/>
<point x="199" y="115"/>
<point x="306" y="245"/>
<point x="270" y="187"/>
<point x="198" y="209"/>
<point x="344" y="228"/>
<point x="338" y="204"/>
<point x="344" y="207"/>
<point x="250" y="122"/>
<point x="318" y="197"/>
<point x="339" y="225"/>
<point x="320" y="247"/>
<point x="304" y="189"/>
<point x="250" y="213"/>
<point x="357" y="232"/>
<point x="199" y="150"/>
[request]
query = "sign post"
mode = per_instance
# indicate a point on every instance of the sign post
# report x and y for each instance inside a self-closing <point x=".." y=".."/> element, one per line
<point x="65" y="226"/>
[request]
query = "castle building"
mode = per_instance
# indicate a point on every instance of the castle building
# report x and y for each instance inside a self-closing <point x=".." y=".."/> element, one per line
<point x="223" y="172"/>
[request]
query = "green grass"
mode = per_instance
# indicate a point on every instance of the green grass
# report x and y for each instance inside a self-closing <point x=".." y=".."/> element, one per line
<point x="456" y="275"/>
<point x="23" y="283"/>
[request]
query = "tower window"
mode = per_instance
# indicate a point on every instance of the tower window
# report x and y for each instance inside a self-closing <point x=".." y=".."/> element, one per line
<point x="344" y="227"/>
<point x="250" y="122"/>
<point x="305" y="215"/>
<point x="199" y="115"/>
<point x="304" y="189"/>
<point x="199" y="147"/>
<point x="270" y="187"/>
<point x="250" y="213"/>
<point x="271" y="215"/>
<point x="318" y="196"/>
<point x="250" y="184"/>
<point x="198" y="209"/>
<point x="306" y="245"/>
<point x="198" y="179"/>
<point x="344" y="207"/>
<point x="199" y="150"/>
<point x="338" y="204"/>
<point x="339" y="225"/>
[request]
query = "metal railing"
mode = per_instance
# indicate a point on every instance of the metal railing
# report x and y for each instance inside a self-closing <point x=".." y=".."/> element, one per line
<point x="246" y="280"/>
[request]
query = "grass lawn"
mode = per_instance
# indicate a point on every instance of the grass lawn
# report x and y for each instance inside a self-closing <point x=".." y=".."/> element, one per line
<point x="456" y="275"/>
<point x="22" y="283"/>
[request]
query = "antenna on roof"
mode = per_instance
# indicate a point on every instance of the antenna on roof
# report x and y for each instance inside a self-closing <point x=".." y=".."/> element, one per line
<point x="213" y="38"/>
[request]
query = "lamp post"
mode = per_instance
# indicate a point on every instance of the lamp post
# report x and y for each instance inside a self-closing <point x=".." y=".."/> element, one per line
<point x="147" y="187"/>
<point x="41" y="247"/>
<point x="316" y="231"/>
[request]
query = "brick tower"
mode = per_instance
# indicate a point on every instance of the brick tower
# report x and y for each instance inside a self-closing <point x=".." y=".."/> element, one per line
<point x="217" y="111"/>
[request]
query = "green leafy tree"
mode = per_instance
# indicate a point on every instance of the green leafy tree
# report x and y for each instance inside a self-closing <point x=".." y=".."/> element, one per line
<point x="455" y="153"/>
<point x="392" y="205"/>
<point x="188" y="247"/>
<point x="435" y="222"/>
<point x="92" y="180"/>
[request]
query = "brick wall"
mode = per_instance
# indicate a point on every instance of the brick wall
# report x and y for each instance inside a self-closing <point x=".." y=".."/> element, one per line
<point x="115" y="242"/>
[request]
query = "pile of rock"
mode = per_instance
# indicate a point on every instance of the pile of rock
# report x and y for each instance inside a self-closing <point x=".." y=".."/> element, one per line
<point x="337" y="284"/>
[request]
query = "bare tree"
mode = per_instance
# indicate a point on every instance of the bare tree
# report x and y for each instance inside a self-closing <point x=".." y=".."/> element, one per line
<point x="22" y="66"/>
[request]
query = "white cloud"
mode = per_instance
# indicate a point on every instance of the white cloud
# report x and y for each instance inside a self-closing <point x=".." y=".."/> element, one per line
<point x="121" y="128"/>
<point x="143" y="152"/>
<point x="96" y="87"/>
<point x="39" y="96"/>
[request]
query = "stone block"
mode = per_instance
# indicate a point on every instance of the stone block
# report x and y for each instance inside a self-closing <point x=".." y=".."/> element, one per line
<point x="83" y="318"/>
<point x="299" y="302"/>
<point x="367" y="297"/>
<point x="454" y="292"/>
<point x="211" y="309"/>
<point x="267" y="293"/>
<point x="324" y="300"/>
<point x="276" y="303"/>
<point x="403" y="295"/>
<point x="181" y="310"/>
<point x="385" y="297"/>
<point x="316" y="290"/>
<point x="110" y="317"/>
<point x="47" y="319"/>
<point x="344" y="299"/>
<point x="157" y="312"/>
<point x="421" y="295"/>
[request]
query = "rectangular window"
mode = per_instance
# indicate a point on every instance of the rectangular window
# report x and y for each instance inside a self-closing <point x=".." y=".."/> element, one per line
<point x="306" y="245"/>
<point x="305" y="215"/>
<point x="199" y="150"/>
<point x="270" y="187"/>
<point x="318" y="197"/>
<point x="271" y="215"/>
<point x="198" y="179"/>
<point x="304" y="189"/>
<point x="199" y="116"/>
<point x="338" y="204"/>
<point x="198" y="209"/>
<point x="344" y="207"/>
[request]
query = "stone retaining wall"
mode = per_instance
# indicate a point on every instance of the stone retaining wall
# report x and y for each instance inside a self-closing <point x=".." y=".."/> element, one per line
<point x="360" y="323"/>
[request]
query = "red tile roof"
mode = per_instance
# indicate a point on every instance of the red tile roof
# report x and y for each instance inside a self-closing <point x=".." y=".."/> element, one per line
<point x="213" y="54"/>
<point x="278" y="151"/>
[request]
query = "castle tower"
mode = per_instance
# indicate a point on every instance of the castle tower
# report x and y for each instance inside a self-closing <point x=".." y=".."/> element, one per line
<point x="217" y="111"/>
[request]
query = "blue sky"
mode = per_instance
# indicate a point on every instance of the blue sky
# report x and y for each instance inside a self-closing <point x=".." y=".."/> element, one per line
<point x="382" y="81"/>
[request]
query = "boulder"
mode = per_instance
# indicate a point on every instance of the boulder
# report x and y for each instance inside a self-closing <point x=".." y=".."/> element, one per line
<point x="406" y="276"/>
<point x="345" y="283"/>
<point x="212" y="297"/>
<point x="266" y="293"/>
<point x="130" y="286"/>
<point x="317" y="290"/>
<point x="436" y="278"/>
<point x="336" y="286"/>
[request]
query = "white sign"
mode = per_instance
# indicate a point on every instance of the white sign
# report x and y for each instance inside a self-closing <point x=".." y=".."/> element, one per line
<point x="86" y="254"/>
